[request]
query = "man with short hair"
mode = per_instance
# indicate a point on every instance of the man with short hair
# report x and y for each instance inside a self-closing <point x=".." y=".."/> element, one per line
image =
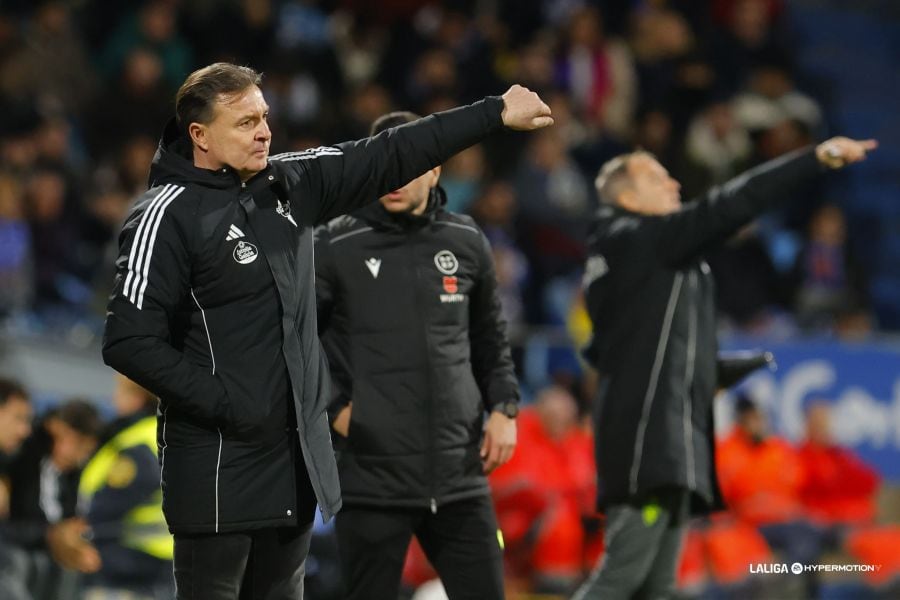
<point x="213" y="310"/>
<point x="650" y="296"/>
<point x="411" y="323"/>
<point x="15" y="418"/>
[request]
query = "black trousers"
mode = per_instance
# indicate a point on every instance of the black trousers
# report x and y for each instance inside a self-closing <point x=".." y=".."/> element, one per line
<point x="461" y="540"/>
<point x="267" y="564"/>
<point x="643" y="541"/>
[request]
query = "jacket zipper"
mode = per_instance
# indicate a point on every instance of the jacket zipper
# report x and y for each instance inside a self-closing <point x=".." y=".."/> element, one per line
<point x="422" y="306"/>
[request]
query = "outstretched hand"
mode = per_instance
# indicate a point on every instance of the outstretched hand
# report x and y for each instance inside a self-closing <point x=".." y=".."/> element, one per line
<point x="839" y="152"/>
<point x="524" y="110"/>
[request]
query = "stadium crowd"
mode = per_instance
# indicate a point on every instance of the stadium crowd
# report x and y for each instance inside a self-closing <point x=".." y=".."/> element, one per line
<point x="707" y="87"/>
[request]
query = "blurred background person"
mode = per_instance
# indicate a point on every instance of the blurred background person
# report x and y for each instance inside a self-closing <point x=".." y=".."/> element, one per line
<point x="43" y="479"/>
<point x="119" y="497"/>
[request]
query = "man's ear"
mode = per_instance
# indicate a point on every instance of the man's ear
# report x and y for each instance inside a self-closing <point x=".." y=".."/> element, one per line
<point x="435" y="176"/>
<point x="198" y="133"/>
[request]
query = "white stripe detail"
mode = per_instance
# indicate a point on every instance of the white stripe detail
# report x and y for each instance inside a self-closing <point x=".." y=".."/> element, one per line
<point x="136" y="242"/>
<point x="459" y="225"/>
<point x="213" y="358"/>
<point x="145" y="278"/>
<point x="308" y="154"/>
<point x="218" y="463"/>
<point x="688" y="382"/>
<point x="654" y="378"/>
<point x="338" y="238"/>
<point x="142" y="239"/>
<point x="233" y="233"/>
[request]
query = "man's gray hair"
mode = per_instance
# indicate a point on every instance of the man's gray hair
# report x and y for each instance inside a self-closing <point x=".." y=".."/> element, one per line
<point x="614" y="176"/>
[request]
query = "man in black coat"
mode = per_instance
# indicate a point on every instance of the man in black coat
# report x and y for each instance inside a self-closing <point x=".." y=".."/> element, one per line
<point x="651" y="299"/>
<point x="213" y="310"/>
<point x="411" y="324"/>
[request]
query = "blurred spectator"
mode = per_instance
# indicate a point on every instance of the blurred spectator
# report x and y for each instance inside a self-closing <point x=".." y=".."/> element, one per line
<point x="543" y="493"/>
<point x="830" y="284"/>
<point x="138" y="103"/>
<point x="152" y="29"/>
<point x="716" y="149"/>
<point x="15" y="427"/>
<point x="494" y="210"/>
<point x="43" y="483"/>
<point x="761" y="477"/>
<point x="52" y="65"/>
<point x="749" y="290"/>
<point x="598" y="74"/>
<point x="771" y="98"/>
<point x="16" y="275"/>
<point x="120" y="498"/>
<point x="553" y="202"/>
<point x="838" y="487"/>
<point x="53" y="217"/>
<point x="750" y="38"/>
<point x="237" y="31"/>
<point x="461" y="177"/>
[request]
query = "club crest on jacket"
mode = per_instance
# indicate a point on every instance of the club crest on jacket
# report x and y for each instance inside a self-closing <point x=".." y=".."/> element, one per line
<point x="245" y="253"/>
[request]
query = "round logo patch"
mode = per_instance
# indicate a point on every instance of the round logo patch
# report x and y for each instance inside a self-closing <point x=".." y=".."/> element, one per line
<point x="245" y="253"/>
<point x="446" y="262"/>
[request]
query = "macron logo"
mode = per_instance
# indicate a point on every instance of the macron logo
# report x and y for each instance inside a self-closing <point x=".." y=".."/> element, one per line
<point x="233" y="234"/>
<point x="374" y="265"/>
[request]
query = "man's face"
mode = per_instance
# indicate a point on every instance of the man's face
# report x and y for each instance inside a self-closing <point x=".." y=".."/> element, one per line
<point x="238" y="135"/>
<point x="412" y="197"/>
<point x="15" y="423"/>
<point x="71" y="448"/>
<point x="652" y="191"/>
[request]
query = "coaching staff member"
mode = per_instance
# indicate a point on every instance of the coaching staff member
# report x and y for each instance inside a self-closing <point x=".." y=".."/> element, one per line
<point x="650" y="297"/>
<point x="418" y="351"/>
<point x="213" y="310"/>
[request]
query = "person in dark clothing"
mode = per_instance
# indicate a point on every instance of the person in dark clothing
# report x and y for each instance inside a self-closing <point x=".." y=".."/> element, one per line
<point x="650" y="296"/>
<point x="43" y="483"/>
<point x="411" y="324"/>
<point x="213" y="310"/>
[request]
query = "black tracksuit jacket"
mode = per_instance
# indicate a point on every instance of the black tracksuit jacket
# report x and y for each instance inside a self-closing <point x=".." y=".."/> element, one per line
<point x="411" y="323"/>
<point x="650" y="296"/>
<point x="213" y="309"/>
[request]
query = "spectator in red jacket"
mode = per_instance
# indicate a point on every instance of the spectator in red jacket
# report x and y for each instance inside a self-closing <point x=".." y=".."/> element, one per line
<point x="761" y="476"/>
<point x="838" y="488"/>
<point x="543" y="492"/>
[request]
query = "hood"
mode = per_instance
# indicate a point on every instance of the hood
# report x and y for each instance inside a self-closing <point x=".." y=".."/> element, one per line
<point x="174" y="163"/>
<point x="376" y="215"/>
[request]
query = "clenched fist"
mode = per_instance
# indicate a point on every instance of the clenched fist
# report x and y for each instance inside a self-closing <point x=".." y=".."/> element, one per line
<point x="524" y="110"/>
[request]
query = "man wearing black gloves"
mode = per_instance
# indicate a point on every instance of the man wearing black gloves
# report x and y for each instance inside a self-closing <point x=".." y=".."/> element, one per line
<point x="213" y="310"/>
<point x="418" y="352"/>
<point x="650" y="296"/>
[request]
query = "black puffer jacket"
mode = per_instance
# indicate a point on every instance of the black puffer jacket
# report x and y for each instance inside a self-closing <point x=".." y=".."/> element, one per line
<point x="412" y="327"/>
<point x="214" y="311"/>
<point x="651" y="298"/>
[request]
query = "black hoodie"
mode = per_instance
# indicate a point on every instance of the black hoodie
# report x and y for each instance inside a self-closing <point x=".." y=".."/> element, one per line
<point x="411" y="323"/>
<point x="213" y="309"/>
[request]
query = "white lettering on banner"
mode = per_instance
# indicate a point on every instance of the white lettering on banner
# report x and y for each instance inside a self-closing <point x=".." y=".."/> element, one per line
<point x="858" y="417"/>
<point x="798" y="568"/>
<point x="445" y="298"/>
